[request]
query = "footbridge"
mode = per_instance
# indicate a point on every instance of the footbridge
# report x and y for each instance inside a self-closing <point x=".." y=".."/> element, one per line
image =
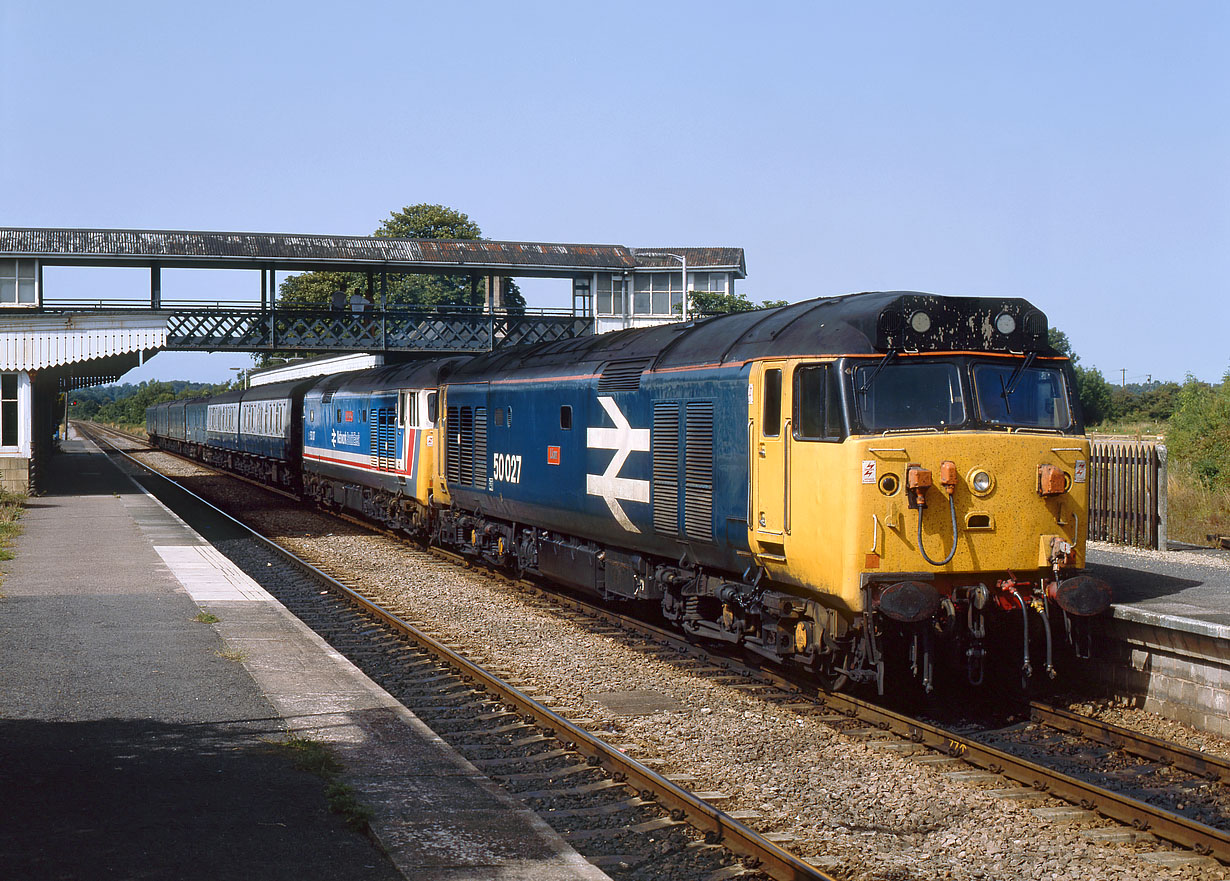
<point x="51" y="344"/>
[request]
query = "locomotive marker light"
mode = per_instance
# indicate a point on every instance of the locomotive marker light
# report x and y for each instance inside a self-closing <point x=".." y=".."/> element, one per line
<point x="1005" y="323"/>
<point x="980" y="482"/>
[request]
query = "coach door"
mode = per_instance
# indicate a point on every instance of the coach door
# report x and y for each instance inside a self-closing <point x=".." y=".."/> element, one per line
<point x="769" y="432"/>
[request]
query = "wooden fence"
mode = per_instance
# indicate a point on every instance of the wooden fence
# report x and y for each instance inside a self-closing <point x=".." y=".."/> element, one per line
<point x="1127" y="492"/>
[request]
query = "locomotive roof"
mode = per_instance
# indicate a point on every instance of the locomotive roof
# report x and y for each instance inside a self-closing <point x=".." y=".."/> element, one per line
<point x="412" y="374"/>
<point x="871" y="323"/>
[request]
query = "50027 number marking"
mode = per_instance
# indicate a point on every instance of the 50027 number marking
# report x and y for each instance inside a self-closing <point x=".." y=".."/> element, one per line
<point x="506" y="468"/>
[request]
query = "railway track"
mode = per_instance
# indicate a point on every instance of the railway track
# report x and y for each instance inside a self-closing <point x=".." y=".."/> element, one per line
<point x="598" y="794"/>
<point x="869" y="720"/>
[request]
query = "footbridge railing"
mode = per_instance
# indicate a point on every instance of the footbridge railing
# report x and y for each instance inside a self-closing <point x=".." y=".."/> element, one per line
<point x="229" y="327"/>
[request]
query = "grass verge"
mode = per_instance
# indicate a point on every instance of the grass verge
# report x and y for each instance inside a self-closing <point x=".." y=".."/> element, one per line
<point x="12" y="506"/>
<point x="316" y="758"/>
<point x="1193" y="510"/>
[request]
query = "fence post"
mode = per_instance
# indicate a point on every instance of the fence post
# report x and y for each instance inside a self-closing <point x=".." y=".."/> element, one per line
<point x="1161" y="497"/>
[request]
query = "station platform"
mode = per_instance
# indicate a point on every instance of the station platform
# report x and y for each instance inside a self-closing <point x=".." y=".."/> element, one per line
<point x="139" y="742"/>
<point x="1185" y="590"/>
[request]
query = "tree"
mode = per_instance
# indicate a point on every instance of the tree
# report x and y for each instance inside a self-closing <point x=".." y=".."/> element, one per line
<point x="710" y="303"/>
<point x="1199" y="430"/>
<point x="422" y="221"/>
<point x="1092" y="389"/>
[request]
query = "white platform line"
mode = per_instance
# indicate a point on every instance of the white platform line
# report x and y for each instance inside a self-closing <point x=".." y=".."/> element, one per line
<point x="207" y="575"/>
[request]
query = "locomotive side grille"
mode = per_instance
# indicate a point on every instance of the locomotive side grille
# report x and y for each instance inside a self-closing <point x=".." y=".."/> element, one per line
<point x="480" y="446"/>
<point x="698" y="471"/>
<point x="664" y="446"/>
<point x="465" y="432"/>
<point x="452" y="452"/>
<point x="384" y="440"/>
<point x="622" y="376"/>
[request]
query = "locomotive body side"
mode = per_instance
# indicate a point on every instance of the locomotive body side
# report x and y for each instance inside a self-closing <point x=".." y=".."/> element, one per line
<point x="649" y="465"/>
<point x="369" y="442"/>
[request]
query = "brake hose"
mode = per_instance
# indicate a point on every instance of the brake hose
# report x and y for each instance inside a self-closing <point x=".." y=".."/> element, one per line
<point x="952" y="507"/>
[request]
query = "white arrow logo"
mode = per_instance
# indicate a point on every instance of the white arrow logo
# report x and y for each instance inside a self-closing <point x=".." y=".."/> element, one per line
<point x="623" y="439"/>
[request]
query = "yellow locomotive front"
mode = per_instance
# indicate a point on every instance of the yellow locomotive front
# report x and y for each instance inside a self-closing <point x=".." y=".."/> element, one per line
<point x="932" y="499"/>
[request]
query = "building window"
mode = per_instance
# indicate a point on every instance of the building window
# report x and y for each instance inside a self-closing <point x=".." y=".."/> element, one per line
<point x="17" y="283"/>
<point x="657" y="293"/>
<point x="9" y="423"/>
<point x="708" y="282"/>
<point x="582" y="297"/>
<point x="610" y="295"/>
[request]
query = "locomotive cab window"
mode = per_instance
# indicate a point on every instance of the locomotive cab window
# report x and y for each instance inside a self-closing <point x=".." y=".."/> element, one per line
<point x="1024" y="398"/>
<point x="817" y="403"/>
<point x="771" y="410"/>
<point x="565" y="417"/>
<point x="432" y="411"/>
<point x="909" y="394"/>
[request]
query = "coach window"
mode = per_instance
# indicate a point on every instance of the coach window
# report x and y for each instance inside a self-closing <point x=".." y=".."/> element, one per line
<point x="565" y="417"/>
<point x="771" y="392"/>
<point x="817" y="406"/>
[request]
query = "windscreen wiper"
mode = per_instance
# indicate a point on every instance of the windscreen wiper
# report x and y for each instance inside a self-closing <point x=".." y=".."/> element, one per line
<point x="1006" y="392"/>
<point x="876" y="372"/>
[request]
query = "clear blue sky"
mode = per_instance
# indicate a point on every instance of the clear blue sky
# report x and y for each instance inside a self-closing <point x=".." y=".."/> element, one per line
<point x="1073" y="153"/>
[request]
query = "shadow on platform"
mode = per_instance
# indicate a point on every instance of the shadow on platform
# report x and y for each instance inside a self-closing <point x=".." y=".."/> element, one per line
<point x="120" y="798"/>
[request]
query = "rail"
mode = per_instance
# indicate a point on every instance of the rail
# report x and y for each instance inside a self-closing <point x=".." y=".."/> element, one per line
<point x="1127" y="492"/>
<point x="771" y="859"/>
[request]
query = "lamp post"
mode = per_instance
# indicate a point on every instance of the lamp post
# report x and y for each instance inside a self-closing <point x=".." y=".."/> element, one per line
<point x="683" y="261"/>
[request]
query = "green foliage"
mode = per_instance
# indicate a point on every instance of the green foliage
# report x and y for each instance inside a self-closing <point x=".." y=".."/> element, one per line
<point x="1094" y="393"/>
<point x="1199" y="431"/>
<point x="422" y="221"/>
<point x="125" y="404"/>
<point x="707" y="303"/>
<point x="1092" y="389"/>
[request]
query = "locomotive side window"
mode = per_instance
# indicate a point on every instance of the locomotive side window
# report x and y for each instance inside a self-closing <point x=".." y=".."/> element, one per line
<point x="817" y="404"/>
<point x="909" y="395"/>
<point x="771" y="393"/>
<point x="565" y="417"/>
<point x="1033" y="398"/>
<point x="432" y="409"/>
<point x="499" y="417"/>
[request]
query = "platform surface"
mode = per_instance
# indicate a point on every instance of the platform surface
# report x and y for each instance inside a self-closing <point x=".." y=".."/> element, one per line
<point x="1186" y="590"/>
<point x="138" y="742"/>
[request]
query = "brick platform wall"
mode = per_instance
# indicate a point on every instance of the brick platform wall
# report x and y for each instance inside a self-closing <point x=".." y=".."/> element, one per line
<point x="1180" y="675"/>
<point x="14" y="474"/>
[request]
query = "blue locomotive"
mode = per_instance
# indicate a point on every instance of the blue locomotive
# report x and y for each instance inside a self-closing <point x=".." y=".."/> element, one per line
<point x="863" y="485"/>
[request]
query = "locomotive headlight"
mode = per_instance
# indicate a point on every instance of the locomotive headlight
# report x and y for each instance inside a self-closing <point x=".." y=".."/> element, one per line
<point x="920" y="321"/>
<point x="1005" y="323"/>
<point x="980" y="481"/>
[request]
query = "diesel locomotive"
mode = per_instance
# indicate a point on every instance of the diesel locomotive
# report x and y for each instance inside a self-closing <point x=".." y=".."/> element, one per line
<point x="880" y="488"/>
